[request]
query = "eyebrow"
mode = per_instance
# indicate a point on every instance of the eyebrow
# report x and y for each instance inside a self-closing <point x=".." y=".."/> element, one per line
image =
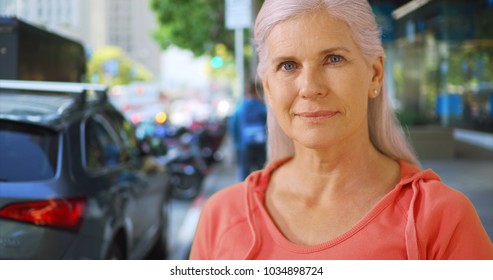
<point x="334" y="49"/>
<point x="322" y="53"/>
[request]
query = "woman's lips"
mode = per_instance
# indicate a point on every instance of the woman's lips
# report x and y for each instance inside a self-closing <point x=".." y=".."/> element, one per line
<point x="316" y="115"/>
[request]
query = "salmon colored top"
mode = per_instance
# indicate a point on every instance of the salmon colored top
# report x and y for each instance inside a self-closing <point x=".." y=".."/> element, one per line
<point x="421" y="218"/>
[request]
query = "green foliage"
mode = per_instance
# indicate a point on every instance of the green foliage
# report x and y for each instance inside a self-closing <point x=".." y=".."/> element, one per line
<point x="110" y="66"/>
<point x="470" y="64"/>
<point x="196" y="25"/>
<point x="199" y="26"/>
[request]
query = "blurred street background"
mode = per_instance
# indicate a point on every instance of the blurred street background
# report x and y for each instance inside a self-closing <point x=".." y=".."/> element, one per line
<point x="177" y="70"/>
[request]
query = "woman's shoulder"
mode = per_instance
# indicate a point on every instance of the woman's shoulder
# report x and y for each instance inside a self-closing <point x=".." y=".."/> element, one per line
<point x="223" y="215"/>
<point x="442" y="219"/>
<point x="229" y="198"/>
<point x="431" y="206"/>
<point x="232" y="205"/>
<point x="427" y="188"/>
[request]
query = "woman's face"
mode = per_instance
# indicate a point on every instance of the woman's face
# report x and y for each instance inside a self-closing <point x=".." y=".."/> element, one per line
<point x="317" y="82"/>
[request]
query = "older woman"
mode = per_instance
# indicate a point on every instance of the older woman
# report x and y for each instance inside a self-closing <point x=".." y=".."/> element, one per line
<point x="342" y="183"/>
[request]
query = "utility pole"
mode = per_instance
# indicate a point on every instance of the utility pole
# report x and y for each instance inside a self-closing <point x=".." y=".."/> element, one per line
<point x="240" y="60"/>
<point x="238" y="17"/>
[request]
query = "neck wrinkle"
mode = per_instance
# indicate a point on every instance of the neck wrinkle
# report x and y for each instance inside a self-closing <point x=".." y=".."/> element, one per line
<point x="334" y="171"/>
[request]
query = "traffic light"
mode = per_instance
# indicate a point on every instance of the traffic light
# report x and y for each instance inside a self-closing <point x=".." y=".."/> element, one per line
<point x="217" y="62"/>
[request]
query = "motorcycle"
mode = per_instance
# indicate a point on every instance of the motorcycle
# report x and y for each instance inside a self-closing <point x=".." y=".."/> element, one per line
<point x="186" y="166"/>
<point x="210" y="139"/>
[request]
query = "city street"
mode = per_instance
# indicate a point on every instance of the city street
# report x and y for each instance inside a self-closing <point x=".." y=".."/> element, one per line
<point x="472" y="177"/>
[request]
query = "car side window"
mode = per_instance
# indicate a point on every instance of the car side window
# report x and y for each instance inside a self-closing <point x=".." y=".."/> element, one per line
<point x="101" y="149"/>
<point x="126" y="131"/>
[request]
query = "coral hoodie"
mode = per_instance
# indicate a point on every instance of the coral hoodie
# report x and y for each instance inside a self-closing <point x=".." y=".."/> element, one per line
<point x="421" y="218"/>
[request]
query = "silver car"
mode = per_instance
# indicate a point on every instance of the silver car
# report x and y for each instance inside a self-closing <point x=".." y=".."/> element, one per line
<point x="74" y="183"/>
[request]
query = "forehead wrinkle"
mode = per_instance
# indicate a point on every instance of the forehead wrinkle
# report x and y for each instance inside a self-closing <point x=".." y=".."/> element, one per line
<point x="288" y="46"/>
<point x="282" y="40"/>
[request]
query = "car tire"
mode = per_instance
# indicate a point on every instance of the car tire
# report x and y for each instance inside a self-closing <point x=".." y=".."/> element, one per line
<point x="159" y="251"/>
<point x="115" y="252"/>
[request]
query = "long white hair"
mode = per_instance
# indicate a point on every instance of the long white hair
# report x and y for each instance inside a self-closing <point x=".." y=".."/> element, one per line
<point x="385" y="134"/>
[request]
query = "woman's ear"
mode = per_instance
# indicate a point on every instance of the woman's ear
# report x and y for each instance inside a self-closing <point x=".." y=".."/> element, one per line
<point x="378" y="69"/>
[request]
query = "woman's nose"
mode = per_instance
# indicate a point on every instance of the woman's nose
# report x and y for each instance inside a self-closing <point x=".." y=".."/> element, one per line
<point x="312" y="83"/>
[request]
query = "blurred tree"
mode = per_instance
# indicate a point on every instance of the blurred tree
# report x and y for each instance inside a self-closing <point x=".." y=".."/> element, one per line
<point x="196" y="25"/>
<point x="110" y="66"/>
<point x="199" y="26"/>
<point x="471" y="63"/>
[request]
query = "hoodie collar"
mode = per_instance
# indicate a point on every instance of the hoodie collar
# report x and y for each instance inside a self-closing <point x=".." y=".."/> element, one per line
<point x="257" y="183"/>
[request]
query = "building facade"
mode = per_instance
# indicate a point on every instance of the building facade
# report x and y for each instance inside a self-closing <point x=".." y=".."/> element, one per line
<point x="124" y="23"/>
<point x="440" y="60"/>
<point x="130" y="25"/>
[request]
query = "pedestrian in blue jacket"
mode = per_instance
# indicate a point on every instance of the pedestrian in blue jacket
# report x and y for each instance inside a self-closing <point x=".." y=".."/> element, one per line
<point x="248" y="129"/>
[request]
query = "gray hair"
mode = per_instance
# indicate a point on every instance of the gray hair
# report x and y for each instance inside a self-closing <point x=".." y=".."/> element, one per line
<point x="385" y="133"/>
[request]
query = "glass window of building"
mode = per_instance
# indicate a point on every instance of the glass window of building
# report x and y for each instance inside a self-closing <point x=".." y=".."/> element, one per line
<point x="439" y="60"/>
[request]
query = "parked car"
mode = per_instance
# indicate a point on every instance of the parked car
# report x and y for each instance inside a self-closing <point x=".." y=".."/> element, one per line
<point x="73" y="182"/>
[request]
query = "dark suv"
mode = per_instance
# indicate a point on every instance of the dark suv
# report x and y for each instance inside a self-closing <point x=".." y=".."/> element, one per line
<point x="74" y="183"/>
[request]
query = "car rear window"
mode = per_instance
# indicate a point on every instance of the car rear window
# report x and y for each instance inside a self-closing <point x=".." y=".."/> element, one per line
<point x="28" y="152"/>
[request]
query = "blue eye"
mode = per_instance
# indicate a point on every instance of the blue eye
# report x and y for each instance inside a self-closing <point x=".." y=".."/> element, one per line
<point x="334" y="59"/>
<point x="288" y="66"/>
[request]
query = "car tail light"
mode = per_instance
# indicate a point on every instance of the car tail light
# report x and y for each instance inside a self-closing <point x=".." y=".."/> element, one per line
<point x="64" y="213"/>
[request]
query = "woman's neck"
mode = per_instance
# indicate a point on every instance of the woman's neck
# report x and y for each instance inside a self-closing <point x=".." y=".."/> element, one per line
<point x="338" y="171"/>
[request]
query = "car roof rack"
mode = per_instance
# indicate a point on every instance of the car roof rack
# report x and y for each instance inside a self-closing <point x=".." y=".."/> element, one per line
<point x="77" y="95"/>
<point x="82" y="92"/>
